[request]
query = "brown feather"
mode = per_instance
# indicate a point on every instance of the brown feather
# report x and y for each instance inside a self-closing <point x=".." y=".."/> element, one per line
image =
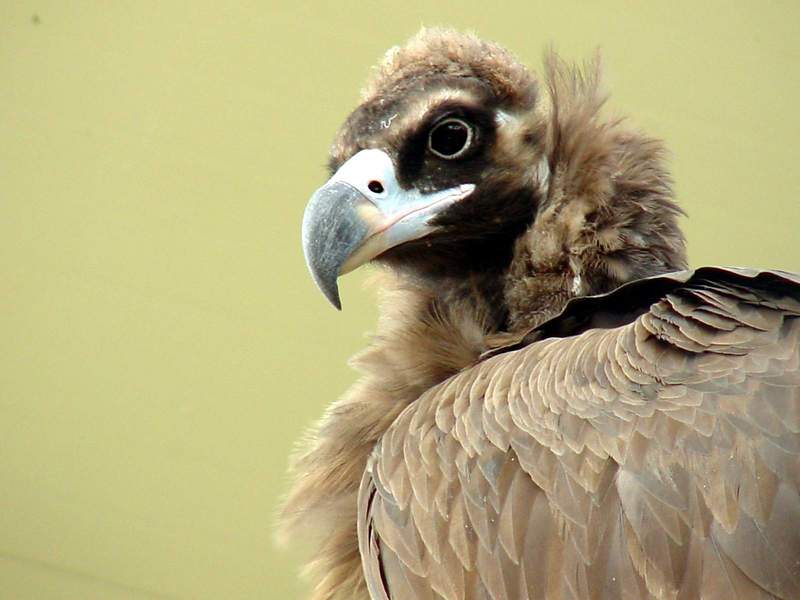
<point x="608" y="215"/>
<point x="663" y="519"/>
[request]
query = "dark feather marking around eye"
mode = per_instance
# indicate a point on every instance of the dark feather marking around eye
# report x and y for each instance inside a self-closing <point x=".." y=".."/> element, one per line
<point x="413" y="153"/>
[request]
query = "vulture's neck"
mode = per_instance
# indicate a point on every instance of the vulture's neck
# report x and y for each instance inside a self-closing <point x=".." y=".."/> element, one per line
<point x="425" y="334"/>
<point x="432" y="328"/>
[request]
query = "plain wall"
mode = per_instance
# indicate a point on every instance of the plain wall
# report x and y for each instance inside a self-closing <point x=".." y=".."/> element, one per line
<point x="161" y="344"/>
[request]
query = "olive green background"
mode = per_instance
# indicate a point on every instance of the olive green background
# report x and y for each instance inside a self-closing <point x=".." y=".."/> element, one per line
<point x="161" y="345"/>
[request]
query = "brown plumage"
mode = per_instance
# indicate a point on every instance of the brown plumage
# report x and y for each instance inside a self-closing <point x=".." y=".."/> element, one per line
<point x="547" y="410"/>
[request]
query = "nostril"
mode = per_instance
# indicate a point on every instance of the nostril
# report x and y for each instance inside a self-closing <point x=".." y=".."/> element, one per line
<point x="376" y="187"/>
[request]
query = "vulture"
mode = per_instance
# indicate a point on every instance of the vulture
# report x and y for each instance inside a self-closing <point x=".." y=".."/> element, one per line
<point x="552" y="406"/>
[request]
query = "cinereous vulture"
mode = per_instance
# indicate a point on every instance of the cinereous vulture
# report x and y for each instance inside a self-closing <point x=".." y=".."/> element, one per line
<point x="552" y="406"/>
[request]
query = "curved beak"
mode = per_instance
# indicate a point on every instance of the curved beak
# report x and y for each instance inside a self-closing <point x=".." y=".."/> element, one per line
<point x="360" y="213"/>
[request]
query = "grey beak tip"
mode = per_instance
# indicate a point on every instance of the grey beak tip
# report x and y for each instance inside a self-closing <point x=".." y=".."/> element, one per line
<point x="332" y="294"/>
<point x="327" y="283"/>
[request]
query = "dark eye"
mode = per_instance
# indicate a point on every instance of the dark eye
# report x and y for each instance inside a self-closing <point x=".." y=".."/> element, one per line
<point x="450" y="138"/>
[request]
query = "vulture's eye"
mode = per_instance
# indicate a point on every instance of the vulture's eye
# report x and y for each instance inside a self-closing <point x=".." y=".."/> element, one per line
<point x="450" y="138"/>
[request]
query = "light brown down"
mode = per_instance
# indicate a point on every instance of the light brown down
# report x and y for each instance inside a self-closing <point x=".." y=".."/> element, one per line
<point x="643" y="445"/>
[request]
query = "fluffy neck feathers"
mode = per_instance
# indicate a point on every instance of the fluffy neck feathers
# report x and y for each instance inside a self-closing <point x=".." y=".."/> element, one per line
<point x="607" y="215"/>
<point x="423" y="337"/>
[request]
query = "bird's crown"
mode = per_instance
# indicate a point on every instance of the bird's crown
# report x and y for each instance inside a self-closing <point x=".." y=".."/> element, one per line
<point x="439" y="53"/>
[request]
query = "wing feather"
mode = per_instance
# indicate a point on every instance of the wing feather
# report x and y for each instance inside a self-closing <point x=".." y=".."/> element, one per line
<point x="658" y="459"/>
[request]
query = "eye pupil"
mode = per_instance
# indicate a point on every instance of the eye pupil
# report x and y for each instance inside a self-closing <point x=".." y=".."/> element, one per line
<point x="450" y="138"/>
<point x="375" y="186"/>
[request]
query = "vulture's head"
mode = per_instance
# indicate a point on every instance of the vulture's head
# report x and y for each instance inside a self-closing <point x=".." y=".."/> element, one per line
<point x="458" y="164"/>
